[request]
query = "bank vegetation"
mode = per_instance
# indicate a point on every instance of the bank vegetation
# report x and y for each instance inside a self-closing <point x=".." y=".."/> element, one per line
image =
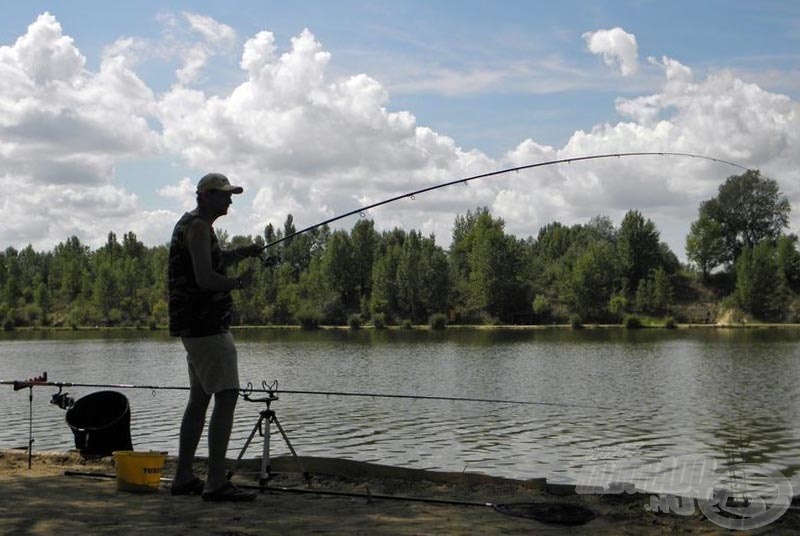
<point x="742" y="265"/>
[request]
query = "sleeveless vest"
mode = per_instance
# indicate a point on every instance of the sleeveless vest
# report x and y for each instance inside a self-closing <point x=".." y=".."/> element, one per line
<point x="194" y="312"/>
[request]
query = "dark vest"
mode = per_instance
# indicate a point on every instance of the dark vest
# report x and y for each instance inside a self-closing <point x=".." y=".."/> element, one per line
<point x="194" y="312"/>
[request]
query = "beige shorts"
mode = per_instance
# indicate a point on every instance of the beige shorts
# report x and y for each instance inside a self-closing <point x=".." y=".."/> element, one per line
<point x="212" y="362"/>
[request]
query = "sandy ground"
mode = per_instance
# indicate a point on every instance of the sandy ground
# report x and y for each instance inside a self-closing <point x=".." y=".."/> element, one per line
<point x="46" y="500"/>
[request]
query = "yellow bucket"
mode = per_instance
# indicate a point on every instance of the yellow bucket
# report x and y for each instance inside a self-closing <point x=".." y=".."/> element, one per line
<point x="138" y="471"/>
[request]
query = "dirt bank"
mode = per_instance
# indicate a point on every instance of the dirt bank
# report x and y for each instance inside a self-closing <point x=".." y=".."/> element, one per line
<point x="44" y="500"/>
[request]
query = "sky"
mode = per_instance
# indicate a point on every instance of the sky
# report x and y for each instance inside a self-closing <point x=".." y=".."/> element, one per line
<point x="111" y="112"/>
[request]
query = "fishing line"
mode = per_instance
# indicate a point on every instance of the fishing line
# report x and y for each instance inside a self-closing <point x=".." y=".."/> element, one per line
<point x="412" y="195"/>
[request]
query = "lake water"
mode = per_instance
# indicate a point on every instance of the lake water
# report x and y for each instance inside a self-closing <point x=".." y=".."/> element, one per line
<point x="643" y="399"/>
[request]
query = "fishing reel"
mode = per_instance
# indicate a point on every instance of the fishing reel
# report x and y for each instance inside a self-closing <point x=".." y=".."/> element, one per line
<point x="62" y="400"/>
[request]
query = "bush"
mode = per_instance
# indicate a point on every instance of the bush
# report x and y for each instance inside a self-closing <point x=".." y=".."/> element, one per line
<point x="576" y="322"/>
<point x="485" y="319"/>
<point x="354" y="321"/>
<point x="438" y="321"/>
<point x="541" y="308"/>
<point x="379" y="321"/>
<point x="633" y="322"/>
<point x="406" y="324"/>
<point x="669" y="323"/>
<point x="334" y="313"/>
<point x="308" y="319"/>
<point x="617" y="305"/>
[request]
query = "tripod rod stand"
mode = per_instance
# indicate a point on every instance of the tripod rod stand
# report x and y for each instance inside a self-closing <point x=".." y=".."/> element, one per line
<point x="266" y="418"/>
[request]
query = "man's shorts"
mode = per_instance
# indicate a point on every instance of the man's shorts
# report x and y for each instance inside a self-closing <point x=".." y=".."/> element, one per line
<point x="212" y="362"/>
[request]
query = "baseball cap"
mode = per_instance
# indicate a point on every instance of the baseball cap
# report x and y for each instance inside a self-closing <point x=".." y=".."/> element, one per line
<point x="217" y="181"/>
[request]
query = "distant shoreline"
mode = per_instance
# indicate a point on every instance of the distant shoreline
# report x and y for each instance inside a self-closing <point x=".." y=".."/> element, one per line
<point x="421" y="327"/>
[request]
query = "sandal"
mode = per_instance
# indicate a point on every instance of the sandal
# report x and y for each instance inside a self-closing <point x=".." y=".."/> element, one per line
<point x="192" y="487"/>
<point x="229" y="492"/>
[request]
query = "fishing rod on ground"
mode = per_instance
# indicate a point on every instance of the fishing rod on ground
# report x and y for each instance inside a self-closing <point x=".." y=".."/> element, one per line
<point x="309" y="491"/>
<point x="465" y="180"/>
<point x="552" y="512"/>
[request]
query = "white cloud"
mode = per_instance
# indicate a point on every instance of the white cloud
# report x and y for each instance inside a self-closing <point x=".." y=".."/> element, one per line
<point x="183" y="193"/>
<point x="179" y="40"/>
<point x="617" y="48"/>
<point x="314" y="145"/>
<point x="258" y="53"/>
<point x="216" y="37"/>
<point x="721" y="116"/>
<point x="306" y="144"/>
<point x="61" y="130"/>
<point x="211" y="30"/>
<point x="195" y="59"/>
<point x="46" y="55"/>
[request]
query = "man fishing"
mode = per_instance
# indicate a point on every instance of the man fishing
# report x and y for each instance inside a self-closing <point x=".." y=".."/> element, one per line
<point x="200" y="308"/>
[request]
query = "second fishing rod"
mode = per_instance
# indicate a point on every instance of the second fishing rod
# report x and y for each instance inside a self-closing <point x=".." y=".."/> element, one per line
<point x="271" y="389"/>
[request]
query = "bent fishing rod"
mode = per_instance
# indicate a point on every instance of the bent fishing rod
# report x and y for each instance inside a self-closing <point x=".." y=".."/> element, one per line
<point x="465" y="180"/>
<point x="271" y="390"/>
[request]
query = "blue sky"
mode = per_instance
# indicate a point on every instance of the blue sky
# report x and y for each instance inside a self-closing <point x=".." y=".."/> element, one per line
<point x="114" y="110"/>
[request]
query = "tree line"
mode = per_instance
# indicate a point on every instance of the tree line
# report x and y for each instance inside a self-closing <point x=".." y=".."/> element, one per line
<point x="740" y="258"/>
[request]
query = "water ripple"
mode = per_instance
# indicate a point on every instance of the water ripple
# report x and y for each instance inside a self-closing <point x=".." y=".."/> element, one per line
<point x="651" y="397"/>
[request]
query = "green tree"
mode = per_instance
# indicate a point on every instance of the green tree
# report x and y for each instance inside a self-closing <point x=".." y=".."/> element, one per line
<point x="789" y="261"/>
<point x="644" y="296"/>
<point x="12" y="278"/>
<point x="409" y="278"/>
<point x="592" y="281"/>
<point x="41" y="298"/>
<point x="436" y="284"/>
<point x="157" y="268"/>
<point x="601" y="228"/>
<point x="71" y="269"/>
<point x="705" y="244"/>
<point x="485" y="265"/>
<point x="338" y="270"/>
<point x="365" y="240"/>
<point x="638" y="248"/>
<point x="663" y="293"/>
<point x="422" y="278"/>
<point x="553" y="241"/>
<point x="759" y="288"/>
<point x="541" y="308"/>
<point x="384" y="298"/>
<point x="105" y="297"/>
<point x="617" y="305"/>
<point x="296" y="252"/>
<point x="750" y="209"/>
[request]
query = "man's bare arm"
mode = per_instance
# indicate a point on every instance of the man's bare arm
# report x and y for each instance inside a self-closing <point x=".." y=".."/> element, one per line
<point x="198" y="239"/>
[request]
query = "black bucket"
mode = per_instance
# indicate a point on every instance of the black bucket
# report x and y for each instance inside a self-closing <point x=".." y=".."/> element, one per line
<point x="101" y="423"/>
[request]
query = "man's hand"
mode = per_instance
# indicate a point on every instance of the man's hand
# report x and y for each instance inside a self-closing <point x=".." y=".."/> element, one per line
<point x="253" y="250"/>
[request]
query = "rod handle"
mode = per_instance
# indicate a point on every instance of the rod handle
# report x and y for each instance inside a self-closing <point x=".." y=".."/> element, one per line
<point x="30" y="382"/>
